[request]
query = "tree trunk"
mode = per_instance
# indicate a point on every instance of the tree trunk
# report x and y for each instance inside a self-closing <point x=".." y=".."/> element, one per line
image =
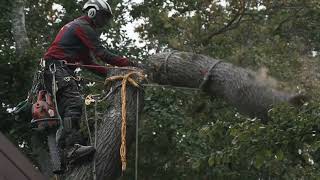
<point x="19" y="31"/>
<point x="108" y="164"/>
<point x="240" y="87"/>
<point x="22" y="43"/>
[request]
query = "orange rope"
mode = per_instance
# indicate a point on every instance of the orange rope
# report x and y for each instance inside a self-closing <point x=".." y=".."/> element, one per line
<point x="125" y="79"/>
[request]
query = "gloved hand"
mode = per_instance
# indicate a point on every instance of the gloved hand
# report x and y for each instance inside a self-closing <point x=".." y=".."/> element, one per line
<point x="136" y="64"/>
<point x="119" y="61"/>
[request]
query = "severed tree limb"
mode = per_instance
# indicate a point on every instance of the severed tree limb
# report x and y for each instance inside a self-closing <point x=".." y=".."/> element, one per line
<point x="237" y="85"/>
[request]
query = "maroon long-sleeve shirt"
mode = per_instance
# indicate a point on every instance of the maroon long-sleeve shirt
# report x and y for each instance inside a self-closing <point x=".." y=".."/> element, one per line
<point x="77" y="42"/>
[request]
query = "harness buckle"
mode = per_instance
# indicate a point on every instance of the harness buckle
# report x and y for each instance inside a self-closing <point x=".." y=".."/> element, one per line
<point x="67" y="78"/>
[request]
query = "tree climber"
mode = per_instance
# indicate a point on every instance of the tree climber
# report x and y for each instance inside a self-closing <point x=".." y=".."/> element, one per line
<point x="78" y="42"/>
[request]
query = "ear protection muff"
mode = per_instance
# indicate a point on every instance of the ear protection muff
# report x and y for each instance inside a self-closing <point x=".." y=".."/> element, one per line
<point x="92" y="12"/>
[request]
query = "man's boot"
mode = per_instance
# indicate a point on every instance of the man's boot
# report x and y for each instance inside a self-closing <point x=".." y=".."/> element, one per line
<point x="79" y="152"/>
<point x="74" y="150"/>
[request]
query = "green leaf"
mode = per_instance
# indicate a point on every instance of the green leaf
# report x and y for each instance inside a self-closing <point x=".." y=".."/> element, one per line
<point x="280" y="155"/>
<point x="211" y="161"/>
<point x="196" y="164"/>
<point x="259" y="161"/>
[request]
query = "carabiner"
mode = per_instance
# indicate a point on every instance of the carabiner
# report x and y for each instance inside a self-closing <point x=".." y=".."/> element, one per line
<point x="52" y="68"/>
<point x="64" y="62"/>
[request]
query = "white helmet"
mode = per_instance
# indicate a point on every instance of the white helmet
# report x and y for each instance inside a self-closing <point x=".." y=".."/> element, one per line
<point x="95" y="5"/>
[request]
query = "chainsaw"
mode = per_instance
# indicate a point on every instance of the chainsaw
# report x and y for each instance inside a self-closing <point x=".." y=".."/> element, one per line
<point x="44" y="112"/>
<point x="45" y="118"/>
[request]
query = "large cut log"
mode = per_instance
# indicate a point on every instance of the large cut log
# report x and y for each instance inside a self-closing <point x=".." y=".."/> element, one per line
<point x="108" y="164"/>
<point x="237" y="85"/>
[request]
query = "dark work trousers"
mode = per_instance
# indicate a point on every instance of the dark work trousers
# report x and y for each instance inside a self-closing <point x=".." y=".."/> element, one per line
<point x="69" y="101"/>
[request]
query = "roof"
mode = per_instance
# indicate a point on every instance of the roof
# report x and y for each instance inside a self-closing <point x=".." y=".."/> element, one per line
<point x="14" y="165"/>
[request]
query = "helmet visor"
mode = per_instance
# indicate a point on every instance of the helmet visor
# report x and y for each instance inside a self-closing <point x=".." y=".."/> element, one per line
<point x="103" y="18"/>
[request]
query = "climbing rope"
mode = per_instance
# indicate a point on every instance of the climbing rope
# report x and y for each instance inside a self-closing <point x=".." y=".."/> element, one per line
<point x="170" y="87"/>
<point x="137" y="137"/>
<point x="125" y="79"/>
<point x="95" y="139"/>
<point x="87" y="123"/>
<point x="94" y="66"/>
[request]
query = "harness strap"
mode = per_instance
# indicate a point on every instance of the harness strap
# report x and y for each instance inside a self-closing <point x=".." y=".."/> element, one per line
<point x="166" y="61"/>
<point x="53" y="70"/>
<point x="208" y="73"/>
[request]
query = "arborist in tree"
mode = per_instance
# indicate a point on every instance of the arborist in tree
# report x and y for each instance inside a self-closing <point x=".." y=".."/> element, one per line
<point x="78" y="43"/>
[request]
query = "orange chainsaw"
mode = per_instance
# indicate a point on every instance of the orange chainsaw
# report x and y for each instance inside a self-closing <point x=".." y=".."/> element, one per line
<point x="45" y="118"/>
<point x="44" y="113"/>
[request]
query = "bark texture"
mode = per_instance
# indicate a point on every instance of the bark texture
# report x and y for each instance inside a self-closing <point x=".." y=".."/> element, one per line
<point x="41" y="155"/>
<point x="108" y="164"/>
<point x="237" y="85"/>
<point x="19" y="31"/>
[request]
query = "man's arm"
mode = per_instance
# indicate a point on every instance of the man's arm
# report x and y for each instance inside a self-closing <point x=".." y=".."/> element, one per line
<point x="96" y="68"/>
<point x="91" y="39"/>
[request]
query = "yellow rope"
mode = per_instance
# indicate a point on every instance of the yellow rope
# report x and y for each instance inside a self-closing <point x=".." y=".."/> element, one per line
<point x="125" y="79"/>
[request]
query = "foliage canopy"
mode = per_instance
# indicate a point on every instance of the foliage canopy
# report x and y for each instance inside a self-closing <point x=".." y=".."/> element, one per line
<point x="186" y="135"/>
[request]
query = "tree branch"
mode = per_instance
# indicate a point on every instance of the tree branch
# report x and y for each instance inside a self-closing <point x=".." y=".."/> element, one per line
<point x="233" y="23"/>
<point x="277" y="29"/>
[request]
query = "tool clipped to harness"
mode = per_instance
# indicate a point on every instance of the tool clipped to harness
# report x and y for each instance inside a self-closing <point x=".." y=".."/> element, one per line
<point x="60" y="132"/>
<point x="44" y="112"/>
<point x="46" y="117"/>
